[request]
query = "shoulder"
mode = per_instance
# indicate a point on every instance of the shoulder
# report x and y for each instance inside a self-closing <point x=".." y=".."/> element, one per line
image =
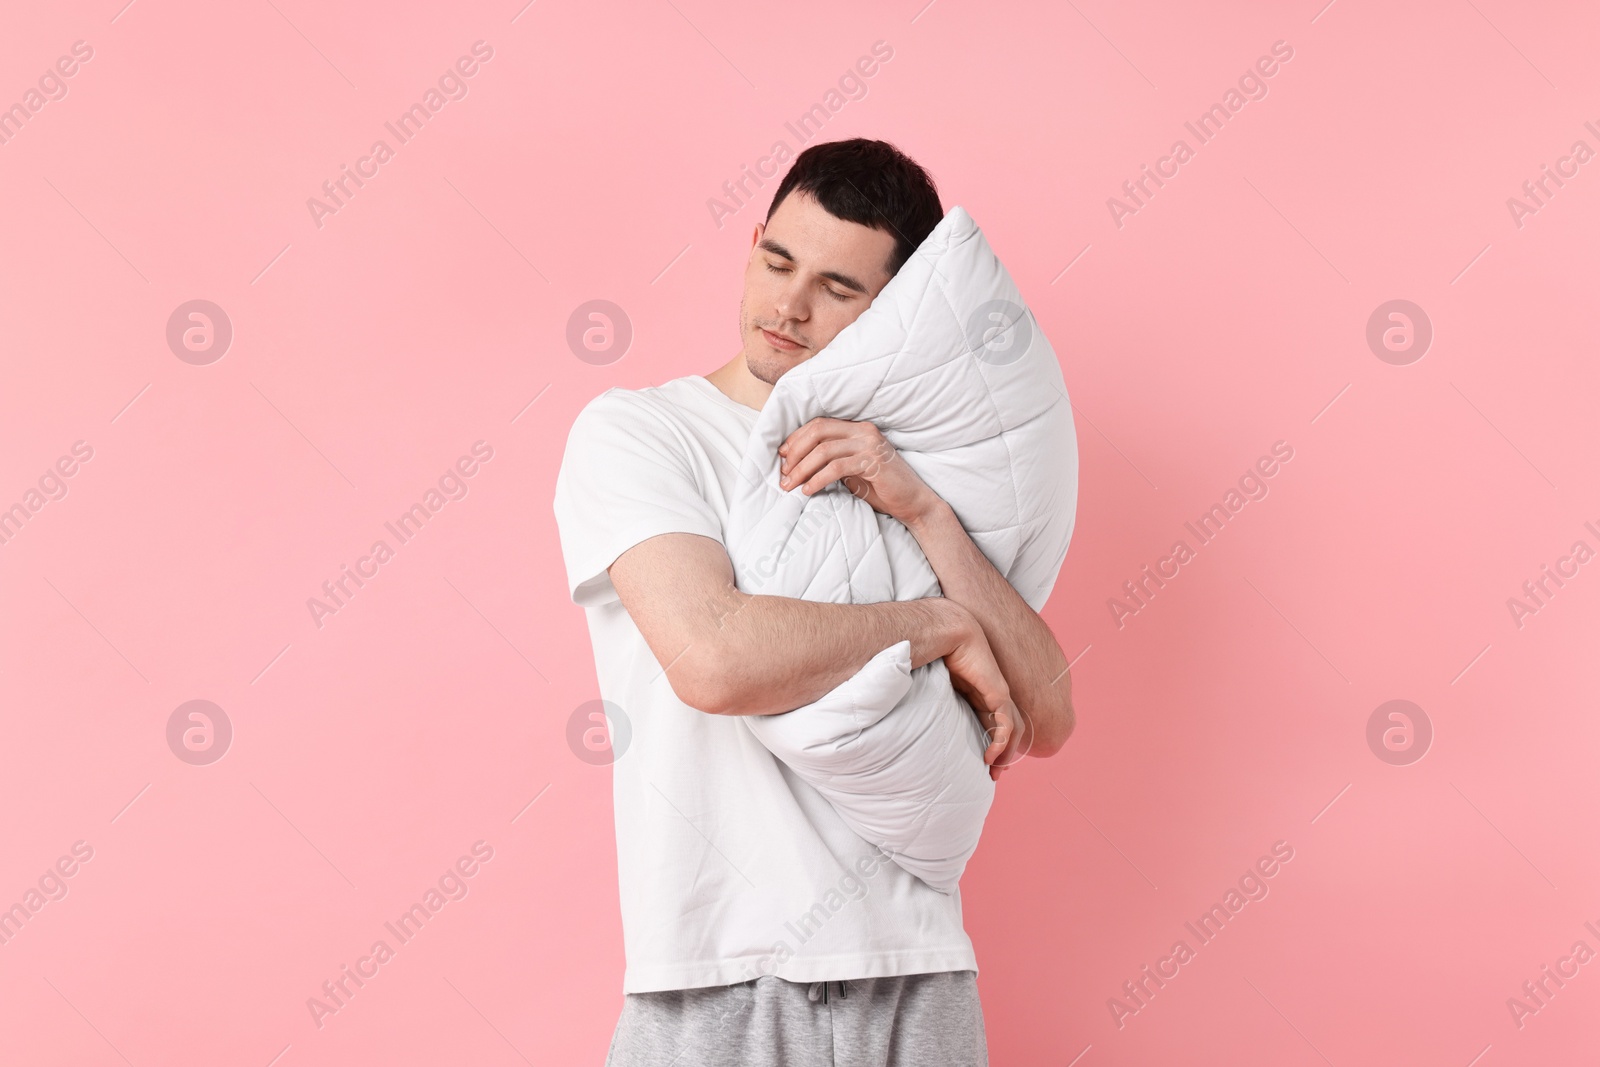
<point x="614" y="405"/>
<point x="653" y="407"/>
<point x="618" y="416"/>
<point x="634" y="429"/>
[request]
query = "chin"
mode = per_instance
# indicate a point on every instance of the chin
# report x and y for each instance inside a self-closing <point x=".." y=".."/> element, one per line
<point x="768" y="364"/>
<point x="766" y="370"/>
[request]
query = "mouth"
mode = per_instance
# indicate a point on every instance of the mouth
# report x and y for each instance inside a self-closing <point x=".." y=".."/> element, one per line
<point x="780" y="342"/>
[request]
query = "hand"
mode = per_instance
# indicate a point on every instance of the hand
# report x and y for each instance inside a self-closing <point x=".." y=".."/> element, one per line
<point x="824" y="451"/>
<point x="1017" y="744"/>
<point x="976" y="675"/>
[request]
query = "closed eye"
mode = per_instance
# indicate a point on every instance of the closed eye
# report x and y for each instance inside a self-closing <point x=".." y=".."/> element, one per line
<point x="827" y="289"/>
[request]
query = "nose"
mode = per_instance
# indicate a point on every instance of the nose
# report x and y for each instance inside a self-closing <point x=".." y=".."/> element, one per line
<point x="792" y="304"/>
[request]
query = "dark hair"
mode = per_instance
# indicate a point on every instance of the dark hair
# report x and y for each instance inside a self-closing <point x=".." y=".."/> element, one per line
<point x="872" y="183"/>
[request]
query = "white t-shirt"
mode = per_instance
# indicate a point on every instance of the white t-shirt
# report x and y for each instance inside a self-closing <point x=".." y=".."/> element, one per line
<point x="730" y="866"/>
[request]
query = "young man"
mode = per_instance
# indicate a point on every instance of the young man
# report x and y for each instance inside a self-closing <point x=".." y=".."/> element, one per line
<point x="758" y="928"/>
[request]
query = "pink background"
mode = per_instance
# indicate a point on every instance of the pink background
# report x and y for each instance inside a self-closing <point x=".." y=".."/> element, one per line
<point x="1229" y="313"/>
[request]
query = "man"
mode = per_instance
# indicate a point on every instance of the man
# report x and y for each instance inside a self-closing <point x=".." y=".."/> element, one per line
<point x="758" y="928"/>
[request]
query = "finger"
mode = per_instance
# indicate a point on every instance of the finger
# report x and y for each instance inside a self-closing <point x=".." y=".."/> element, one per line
<point x="831" y="441"/>
<point x="1021" y="733"/>
<point x="812" y="432"/>
<point x="999" y="735"/>
<point x="836" y="469"/>
<point x="804" y="465"/>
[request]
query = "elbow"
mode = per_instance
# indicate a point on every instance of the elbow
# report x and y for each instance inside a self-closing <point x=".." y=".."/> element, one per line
<point x="700" y="692"/>
<point x="1051" y="736"/>
<point x="701" y="680"/>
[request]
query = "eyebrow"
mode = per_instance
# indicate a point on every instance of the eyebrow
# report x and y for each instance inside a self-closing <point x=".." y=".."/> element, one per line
<point x="832" y="275"/>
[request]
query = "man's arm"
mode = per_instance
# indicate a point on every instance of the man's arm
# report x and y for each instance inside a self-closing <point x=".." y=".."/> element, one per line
<point x="730" y="653"/>
<point x="826" y="450"/>
<point x="1024" y="646"/>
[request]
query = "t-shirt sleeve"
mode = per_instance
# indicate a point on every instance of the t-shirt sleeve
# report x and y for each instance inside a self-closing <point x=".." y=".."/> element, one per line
<point x="626" y="477"/>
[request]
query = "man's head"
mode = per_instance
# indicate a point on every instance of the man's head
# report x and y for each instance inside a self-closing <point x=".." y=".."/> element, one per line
<point x="845" y="218"/>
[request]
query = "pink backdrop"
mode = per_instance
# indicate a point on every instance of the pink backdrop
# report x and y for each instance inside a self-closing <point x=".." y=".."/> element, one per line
<point x="368" y="747"/>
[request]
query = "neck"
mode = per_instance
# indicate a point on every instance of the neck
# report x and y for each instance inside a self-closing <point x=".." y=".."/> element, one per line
<point x="736" y="382"/>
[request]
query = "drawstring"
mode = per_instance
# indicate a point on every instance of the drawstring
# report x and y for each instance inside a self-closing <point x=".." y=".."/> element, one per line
<point x="819" y="990"/>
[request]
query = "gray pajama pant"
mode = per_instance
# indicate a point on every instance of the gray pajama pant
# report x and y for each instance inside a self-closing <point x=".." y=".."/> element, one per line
<point x="913" y="1020"/>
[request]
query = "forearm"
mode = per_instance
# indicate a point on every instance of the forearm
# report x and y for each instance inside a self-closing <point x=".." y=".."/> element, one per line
<point x="770" y="654"/>
<point x="727" y="652"/>
<point x="1028" y="654"/>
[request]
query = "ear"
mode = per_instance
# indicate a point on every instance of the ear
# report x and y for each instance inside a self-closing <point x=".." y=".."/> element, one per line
<point x="761" y="228"/>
